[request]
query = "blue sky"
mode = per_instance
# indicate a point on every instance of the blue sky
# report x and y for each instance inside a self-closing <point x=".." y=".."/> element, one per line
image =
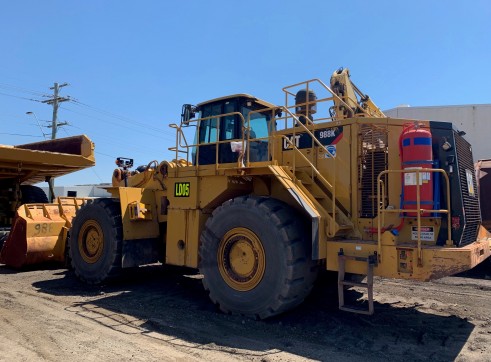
<point x="133" y="64"/>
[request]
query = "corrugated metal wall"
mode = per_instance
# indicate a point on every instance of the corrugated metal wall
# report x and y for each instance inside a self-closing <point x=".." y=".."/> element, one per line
<point x="474" y="120"/>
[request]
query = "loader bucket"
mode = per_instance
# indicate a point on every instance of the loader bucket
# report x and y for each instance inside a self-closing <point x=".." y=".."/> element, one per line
<point x="39" y="233"/>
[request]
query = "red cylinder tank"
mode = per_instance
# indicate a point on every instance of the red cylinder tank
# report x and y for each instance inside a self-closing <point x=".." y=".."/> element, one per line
<point x="417" y="153"/>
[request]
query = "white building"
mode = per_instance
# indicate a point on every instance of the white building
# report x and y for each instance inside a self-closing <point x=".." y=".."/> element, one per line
<point x="473" y="119"/>
<point x="79" y="191"/>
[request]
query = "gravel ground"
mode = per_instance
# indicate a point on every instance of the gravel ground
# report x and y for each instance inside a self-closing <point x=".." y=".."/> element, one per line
<point x="163" y="313"/>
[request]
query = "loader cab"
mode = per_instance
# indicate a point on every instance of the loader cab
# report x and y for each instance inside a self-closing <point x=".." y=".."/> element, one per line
<point x="221" y="131"/>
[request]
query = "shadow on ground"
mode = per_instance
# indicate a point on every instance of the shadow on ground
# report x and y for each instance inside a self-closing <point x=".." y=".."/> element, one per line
<point x="481" y="271"/>
<point x="170" y="304"/>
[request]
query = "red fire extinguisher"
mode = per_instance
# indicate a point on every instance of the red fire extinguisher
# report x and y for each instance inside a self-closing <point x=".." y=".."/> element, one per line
<point x="417" y="153"/>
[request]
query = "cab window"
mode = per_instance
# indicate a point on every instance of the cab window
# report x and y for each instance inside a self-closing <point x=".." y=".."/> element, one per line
<point x="208" y="130"/>
<point x="259" y="123"/>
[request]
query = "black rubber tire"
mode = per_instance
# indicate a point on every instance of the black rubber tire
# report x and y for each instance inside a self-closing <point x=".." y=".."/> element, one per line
<point x="104" y="213"/>
<point x="33" y="195"/>
<point x="289" y="272"/>
<point x="4" y="234"/>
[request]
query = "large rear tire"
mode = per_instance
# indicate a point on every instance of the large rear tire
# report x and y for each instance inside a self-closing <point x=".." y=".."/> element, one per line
<point x="254" y="258"/>
<point x="33" y="195"/>
<point x="95" y="241"/>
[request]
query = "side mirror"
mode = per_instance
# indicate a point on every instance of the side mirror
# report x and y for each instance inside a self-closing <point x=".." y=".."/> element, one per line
<point x="188" y="113"/>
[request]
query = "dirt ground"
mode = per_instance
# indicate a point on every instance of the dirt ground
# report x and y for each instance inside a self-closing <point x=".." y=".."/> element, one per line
<point x="161" y="313"/>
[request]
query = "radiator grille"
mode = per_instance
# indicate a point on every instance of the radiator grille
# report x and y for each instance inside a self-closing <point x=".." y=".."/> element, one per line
<point x="373" y="160"/>
<point x="470" y="202"/>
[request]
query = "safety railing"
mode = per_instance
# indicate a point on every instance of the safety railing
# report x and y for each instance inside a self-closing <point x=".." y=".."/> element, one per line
<point x="338" y="101"/>
<point x="315" y="173"/>
<point x="333" y="97"/>
<point x="183" y="147"/>
<point x="418" y="210"/>
<point x="318" y="175"/>
<point x="180" y="136"/>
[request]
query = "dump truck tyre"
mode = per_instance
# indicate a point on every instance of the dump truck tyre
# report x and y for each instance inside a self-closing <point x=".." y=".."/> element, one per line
<point x="95" y="242"/>
<point x="33" y="195"/>
<point x="254" y="258"/>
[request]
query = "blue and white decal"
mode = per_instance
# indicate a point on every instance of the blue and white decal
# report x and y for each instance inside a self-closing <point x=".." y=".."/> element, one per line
<point x="326" y="136"/>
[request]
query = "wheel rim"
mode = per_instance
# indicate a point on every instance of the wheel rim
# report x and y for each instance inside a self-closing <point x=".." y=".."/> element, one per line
<point x="241" y="259"/>
<point x="91" y="241"/>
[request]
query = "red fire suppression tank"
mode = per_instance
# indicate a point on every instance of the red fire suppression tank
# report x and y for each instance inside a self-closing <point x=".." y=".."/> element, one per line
<point x="417" y="154"/>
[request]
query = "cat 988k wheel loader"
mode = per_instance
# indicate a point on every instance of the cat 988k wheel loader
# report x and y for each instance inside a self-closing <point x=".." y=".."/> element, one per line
<point x="265" y="195"/>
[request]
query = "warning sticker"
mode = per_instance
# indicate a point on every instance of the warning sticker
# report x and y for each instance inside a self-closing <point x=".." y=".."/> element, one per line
<point x="427" y="233"/>
<point x="470" y="183"/>
<point x="410" y="177"/>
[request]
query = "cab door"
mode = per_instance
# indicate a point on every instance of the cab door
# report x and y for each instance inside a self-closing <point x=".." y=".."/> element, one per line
<point x="215" y="129"/>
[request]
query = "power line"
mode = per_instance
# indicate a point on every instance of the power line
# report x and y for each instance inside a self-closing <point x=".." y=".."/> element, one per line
<point x="110" y="138"/>
<point x="96" y="175"/>
<point x="22" y="89"/>
<point x="166" y="135"/>
<point x="18" y="134"/>
<point x="91" y="168"/>
<point x="117" y="116"/>
<point x="27" y="99"/>
<point x="15" y="88"/>
<point x="54" y="100"/>
<point x="105" y="154"/>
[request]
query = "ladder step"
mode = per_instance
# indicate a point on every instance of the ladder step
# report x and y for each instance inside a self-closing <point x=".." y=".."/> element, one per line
<point x="306" y="181"/>
<point x="354" y="309"/>
<point x="354" y="284"/>
<point x="342" y="283"/>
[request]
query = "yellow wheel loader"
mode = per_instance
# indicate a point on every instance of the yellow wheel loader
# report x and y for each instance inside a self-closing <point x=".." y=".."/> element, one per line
<point x="31" y="229"/>
<point x="265" y="195"/>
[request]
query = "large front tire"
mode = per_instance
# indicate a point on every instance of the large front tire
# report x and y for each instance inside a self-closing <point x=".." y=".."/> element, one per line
<point x="254" y="258"/>
<point x="95" y="243"/>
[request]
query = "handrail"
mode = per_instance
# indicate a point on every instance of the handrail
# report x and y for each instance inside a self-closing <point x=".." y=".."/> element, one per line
<point x="316" y="80"/>
<point x="180" y="136"/>
<point x="298" y="124"/>
<point x="417" y="210"/>
<point x="319" y="175"/>
<point x="313" y="168"/>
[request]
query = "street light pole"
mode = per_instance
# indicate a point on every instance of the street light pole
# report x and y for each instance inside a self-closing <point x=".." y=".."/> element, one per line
<point x="37" y="121"/>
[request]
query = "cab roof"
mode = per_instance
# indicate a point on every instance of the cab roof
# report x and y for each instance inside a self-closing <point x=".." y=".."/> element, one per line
<point x="240" y="95"/>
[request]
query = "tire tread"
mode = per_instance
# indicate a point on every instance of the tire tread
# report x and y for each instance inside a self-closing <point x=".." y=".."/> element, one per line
<point x="300" y="269"/>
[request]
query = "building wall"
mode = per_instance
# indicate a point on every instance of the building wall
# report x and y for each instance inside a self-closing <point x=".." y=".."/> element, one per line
<point x="474" y="120"/>
<point x="81" y="191"/>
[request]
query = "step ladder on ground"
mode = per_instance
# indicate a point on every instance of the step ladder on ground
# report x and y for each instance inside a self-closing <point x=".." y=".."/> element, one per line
<point x="342" y="282"/>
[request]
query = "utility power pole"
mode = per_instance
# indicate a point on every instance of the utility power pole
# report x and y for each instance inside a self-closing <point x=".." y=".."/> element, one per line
<point x="55" y="101"/>
<point x="54" y="126"/>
